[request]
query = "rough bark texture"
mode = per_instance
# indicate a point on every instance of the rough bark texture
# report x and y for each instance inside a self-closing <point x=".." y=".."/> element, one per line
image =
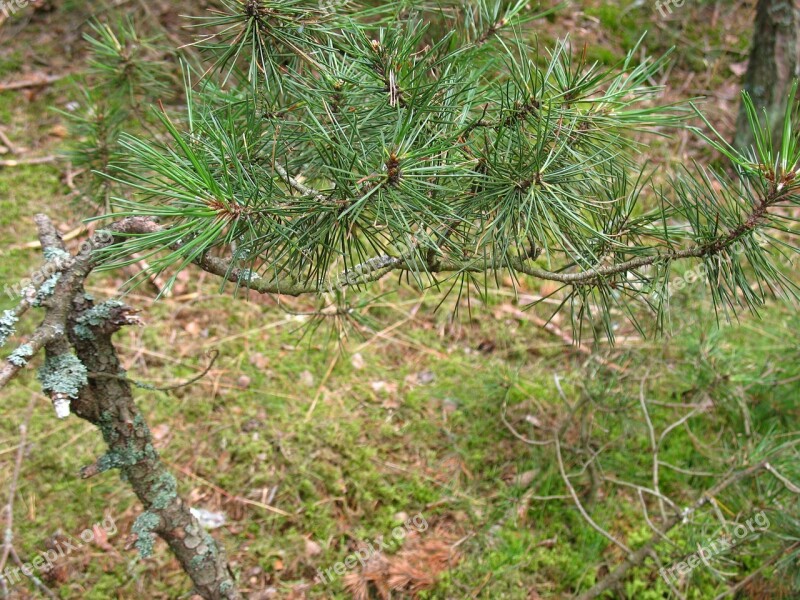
<point x="774" y="64"/>
<point x="106" y="401"/>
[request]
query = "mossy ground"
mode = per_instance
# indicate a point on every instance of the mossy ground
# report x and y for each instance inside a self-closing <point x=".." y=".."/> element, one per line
<point x="403" y="419"/>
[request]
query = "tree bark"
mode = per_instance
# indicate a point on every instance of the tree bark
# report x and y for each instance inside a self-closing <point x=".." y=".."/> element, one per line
<point x="774" y="64"/>
<point x="106" y="400"/>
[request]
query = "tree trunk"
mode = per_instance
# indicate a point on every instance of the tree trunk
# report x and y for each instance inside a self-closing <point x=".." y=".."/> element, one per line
<point x="774" y="64"/>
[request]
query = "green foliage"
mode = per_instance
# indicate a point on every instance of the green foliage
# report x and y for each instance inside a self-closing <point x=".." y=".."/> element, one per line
<point x="127" y="73"/>
<point x="437" y="140"/>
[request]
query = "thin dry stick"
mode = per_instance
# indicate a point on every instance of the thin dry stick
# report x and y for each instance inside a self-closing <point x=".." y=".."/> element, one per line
<point x="635" y="559"/>
<point x="39" y="160"/>
<point x="29" y="574"/>
<point x="769" y="562"/>
<point x="321" y="386"/>
<point x="517" y="434"/>
<point x="8" y="537"/>
<point x="660" y="565"/>
<point x="230" y="496"/>
<point x="786" y="482"/>
<point x="8" y="143"/>
<point x="642" y="489"/>
<point x="650" y="523"/>
<point x="653" y="444"/>
<point x="40" y="81"/>
<point x="577" y="501"/>
<point x="691" y="472"/>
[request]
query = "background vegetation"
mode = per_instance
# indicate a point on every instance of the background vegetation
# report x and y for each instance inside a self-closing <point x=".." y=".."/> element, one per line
<point x="418" y="408"/>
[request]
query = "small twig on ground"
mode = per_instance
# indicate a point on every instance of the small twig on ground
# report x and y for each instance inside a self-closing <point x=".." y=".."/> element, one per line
<point x="654" y="445"/>
<point x="12" y="149"/>
<point x="767" y="563"/>
<point x="36" y="244"/>
<point x="786" y="482"/>
<point x="230" y="496"/>
<point x="8" y="536"/>
<point x="322" y="383"/>
<point x="635" y="559"/>
<point x="517" y="434"/>
<point x="578" y="504"/>
<point x="39" y="160"/>
<point x="29" y="574"/>
<point x="39" y="81"/>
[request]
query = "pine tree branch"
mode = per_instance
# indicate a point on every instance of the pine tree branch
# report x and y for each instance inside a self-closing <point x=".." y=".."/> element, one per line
<point x="376" y="268"/>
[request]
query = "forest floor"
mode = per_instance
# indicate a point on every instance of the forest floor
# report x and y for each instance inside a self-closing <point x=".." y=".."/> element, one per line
<point x="312" y="445"/>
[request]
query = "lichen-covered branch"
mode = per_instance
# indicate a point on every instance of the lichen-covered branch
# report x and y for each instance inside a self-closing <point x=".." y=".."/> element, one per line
<point x="82" y="374"/>
<point x="107" y="401"/>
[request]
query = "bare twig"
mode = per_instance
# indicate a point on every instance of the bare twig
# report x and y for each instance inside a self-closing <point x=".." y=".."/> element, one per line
<point x="29" y="574"/>
<point x="515" y="433"/>
<point x="786" y="482"/>
<point x="12" y="149"/>
<point x="39" y="160"/>
<point x="39" y="81"/>
<point x="653" y="444"/>
<point x="635" y="559"/>
<point x="767" y="563"/>
<point x="578" y="504"/>
<point x="8" y="536"/>
<point x="213" y="355"/>
<point x="230" y="496"/>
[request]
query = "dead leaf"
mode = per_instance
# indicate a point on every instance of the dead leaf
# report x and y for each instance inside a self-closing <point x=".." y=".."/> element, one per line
<point x="738" y="69"/>
<point x="307" y="379"/>
<point x="312" y="548"/>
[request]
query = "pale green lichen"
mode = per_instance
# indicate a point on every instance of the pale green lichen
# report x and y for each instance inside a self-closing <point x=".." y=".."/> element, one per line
<point x="95" y="317"/>
<point x="248" y="276"/>
<point x="46" y="290"/>
<point x="167" y="491"/>
<point x="7" y="325"/>
<point x="20" y="356"/>
<point x="106" y="425"/>
<point x="144" y="526"/>
<point x="126" y="456"/>
<point x="53" y="254"/>
<point x="118" y="458"/>
<point x="63" y="374"/>
<point x="198" y="560"/>
<point x="226" y="587"/>
<point x="205" y="548"/>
